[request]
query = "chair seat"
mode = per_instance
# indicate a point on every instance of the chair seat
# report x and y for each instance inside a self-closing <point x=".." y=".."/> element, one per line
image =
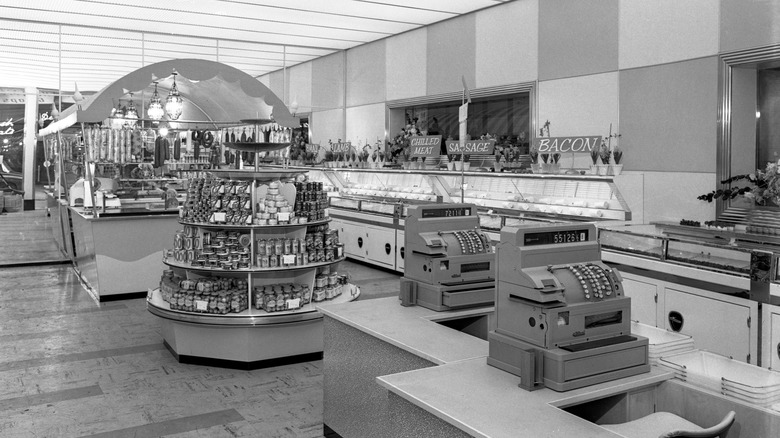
<point x="653" y="426"/>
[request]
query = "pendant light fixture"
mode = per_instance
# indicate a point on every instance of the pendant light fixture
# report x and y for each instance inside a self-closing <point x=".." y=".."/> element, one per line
<point x="174" y="104"/>
<point x="118" y="112"/>
<point x="155" y="110"/>
<point x="131" y="114"/>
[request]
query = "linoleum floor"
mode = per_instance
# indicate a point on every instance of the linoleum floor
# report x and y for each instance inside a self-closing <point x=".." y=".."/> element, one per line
<point x="73" y="367"/>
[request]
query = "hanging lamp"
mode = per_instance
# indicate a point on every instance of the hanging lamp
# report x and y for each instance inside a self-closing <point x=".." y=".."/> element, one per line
<point x="131" y="113"/>
<point x="174" y="104"/>
<point x="155" y="110"/>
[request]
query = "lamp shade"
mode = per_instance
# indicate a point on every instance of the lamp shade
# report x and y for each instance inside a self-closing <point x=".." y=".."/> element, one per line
<point x="155" y="110"/>
<point x="174" y="104"/>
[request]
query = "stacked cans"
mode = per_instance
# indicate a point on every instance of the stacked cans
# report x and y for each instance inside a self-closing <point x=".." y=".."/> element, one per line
<point x="322" y="244"/>
<point x="275" y="253"/>
<point x="328" y="284"/>
<point x="275" y="209"/>
<point x="278" y="297"/>
<point x="218" y="201"/>
<point x="311" y="201"/>
<point x="215" y="295"/>
<point x="224" y="250"/>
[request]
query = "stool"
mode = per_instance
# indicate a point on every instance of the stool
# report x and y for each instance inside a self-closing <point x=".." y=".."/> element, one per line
<point x="668" y="425"/>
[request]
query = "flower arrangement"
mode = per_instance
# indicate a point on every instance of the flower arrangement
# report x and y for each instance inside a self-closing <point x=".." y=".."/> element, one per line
<point x="617" y="154"/>
<point x="534" y="153"/>
<point x="545" y="157"/>
<point x="555" y="157"/>
<point x="399" y="145"/>
<point x="594" y="155"/>
<point x="604" y="153"/>
<point x="765" y="186"/>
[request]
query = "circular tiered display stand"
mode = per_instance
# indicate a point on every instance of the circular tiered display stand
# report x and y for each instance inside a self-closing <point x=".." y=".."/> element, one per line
<point x="244" y="295"/>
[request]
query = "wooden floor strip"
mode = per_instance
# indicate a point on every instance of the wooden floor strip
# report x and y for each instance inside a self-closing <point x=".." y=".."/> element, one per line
<point x="74" y="357"/>
<point x="178" y="425"/>
<point x="23" y="402"/>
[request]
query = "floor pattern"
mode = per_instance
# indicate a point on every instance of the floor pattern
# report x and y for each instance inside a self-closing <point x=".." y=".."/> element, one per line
<point x="73" y="367"/>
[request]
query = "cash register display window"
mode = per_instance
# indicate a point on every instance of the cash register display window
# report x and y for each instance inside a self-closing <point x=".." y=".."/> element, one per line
<point x="555" y="237"/>
<point x="430" y="213"/>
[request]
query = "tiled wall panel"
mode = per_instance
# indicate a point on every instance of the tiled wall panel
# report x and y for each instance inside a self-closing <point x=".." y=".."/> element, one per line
<point x="669" y="116"/>
<point x="406" y="61"/>
<point x="327" y="87"/>
<point x="746" y="24"/>
<point x="661" y="31"/>
<point x="577" y="37"/>
<point x="366" y="74"/>
<point x="507" y="44"/>
<point x="584" y="105"/>
<point x="327" y="125"/>
<point x="451" y="55"/>
<point x="300" y="86"/>
<point x="366" y="124"/>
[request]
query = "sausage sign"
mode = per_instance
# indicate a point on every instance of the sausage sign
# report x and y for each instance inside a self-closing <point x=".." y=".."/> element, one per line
<point x="471" y="147"/>
<point x="582" y="144"/>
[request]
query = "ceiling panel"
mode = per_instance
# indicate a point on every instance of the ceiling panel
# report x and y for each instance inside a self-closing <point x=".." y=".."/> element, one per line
<point x="94" y="42"/>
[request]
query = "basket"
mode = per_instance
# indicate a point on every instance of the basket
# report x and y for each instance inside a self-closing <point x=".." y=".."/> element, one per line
<point x="12" y="203"/>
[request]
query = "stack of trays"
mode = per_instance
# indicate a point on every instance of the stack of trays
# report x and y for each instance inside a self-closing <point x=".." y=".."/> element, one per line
<point x="743" y="381"/>
<point x="661" y="342"/>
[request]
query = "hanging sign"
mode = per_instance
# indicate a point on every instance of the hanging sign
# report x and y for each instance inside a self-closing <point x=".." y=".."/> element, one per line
<point x="581" y="144"/>
<point x="471" y="147"/>
<point x="7" y="127"/>
<point x="425" y="146"/>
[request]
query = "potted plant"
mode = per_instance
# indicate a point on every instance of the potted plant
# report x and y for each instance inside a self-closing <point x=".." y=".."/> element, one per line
<point x="451" y="161"/>
<point x="617" y="155"/>
<point x="604" y="155"/>
<point x="545" y="165"/>
<point x="554" y="166"/>
<point x="329" y="157"/>
<point x="458" y="161"/>
<point x="466" y="163"/>
<point x="594" y="157"/>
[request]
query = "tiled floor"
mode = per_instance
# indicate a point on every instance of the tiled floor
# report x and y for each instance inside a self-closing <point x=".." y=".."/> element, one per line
<point x="71" y="367"/>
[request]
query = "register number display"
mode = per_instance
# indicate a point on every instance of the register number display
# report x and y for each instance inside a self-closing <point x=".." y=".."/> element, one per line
<point x="429" y="213"/>
<point x="555" y="237"/>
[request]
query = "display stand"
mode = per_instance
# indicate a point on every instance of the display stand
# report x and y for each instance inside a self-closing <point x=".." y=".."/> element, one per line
<point x="250" y="334"/>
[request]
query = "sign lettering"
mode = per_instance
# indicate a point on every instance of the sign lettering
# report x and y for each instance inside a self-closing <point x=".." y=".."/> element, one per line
<point x="425" y="146"/>
<point x="471" y="147"/>
<point x="10" y="127"/>
<point x="582" y="144"/>
<point x="341" y="147"/>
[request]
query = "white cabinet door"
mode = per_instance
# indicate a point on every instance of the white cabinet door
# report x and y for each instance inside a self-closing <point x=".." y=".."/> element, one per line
<point x="354" y="239"/>
<point x="399" y="255"/>
<point x="717" y="326"/>
<point x="772" y="345"/>
<point x="380" y="246"/>
<point x="644" y="297"/>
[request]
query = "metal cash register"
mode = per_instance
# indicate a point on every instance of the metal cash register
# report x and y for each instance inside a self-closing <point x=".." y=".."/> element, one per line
<point x="562" y="318"/>
<point x="449" y="260"/>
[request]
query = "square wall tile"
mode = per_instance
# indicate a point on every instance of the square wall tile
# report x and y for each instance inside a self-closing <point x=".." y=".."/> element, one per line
<point x="327" y="82"/>
<point x="577" y="37"/>
<point x="299" y="89"/>
<point x="366" y="74"/>
<point x="746" y="24"/>
<point x="662" y="31"/>
<point x="406" y="61"/>
<point x="327" y="125"/>
<point x="669" y="115"/>
<point x="583" y="105"/>
<point x="507" y="43"/>
<point x="451" y="55"/>
<point x="366" y="125"/>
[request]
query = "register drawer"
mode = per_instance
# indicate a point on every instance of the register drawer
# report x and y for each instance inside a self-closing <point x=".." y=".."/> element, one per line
<point x="469" y="298"/>
<point x="588" y="366"/>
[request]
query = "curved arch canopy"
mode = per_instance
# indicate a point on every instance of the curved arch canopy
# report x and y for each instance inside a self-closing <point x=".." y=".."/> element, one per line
<point x="212" y="92"/>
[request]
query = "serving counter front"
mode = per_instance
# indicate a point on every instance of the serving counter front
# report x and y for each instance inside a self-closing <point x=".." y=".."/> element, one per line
<point x="393" y="371"/>
<point x="119" y="255"/>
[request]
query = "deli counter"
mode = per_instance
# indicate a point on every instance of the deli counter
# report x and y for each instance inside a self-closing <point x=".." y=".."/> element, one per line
<point x="370" y="205"/>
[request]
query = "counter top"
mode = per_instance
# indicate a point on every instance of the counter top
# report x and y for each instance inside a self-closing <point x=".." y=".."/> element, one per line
<point x="412" y="329"/>
<point x="487" y="402"/>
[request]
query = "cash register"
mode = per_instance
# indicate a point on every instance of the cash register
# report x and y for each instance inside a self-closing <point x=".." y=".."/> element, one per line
<point x="563" y="320"/>
<point x="449" y="261"/>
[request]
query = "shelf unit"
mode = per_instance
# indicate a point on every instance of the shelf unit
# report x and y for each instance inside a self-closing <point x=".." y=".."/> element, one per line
<point x="275" y="260"/>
